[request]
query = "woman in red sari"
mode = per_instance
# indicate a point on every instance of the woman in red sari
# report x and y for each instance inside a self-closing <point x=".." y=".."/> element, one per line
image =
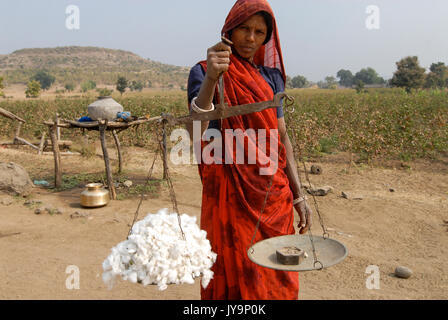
<point x="233" y="193"/>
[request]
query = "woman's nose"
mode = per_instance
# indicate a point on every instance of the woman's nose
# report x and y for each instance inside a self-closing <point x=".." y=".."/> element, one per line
<point x="251" y="35"/>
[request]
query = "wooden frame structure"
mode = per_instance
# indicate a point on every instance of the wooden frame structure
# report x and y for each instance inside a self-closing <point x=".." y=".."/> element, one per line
<point x="17" y="139"/>
<point x="102" y="126"/>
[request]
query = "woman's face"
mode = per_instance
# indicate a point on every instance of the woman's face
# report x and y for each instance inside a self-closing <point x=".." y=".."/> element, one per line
<point x="249" y="36"/>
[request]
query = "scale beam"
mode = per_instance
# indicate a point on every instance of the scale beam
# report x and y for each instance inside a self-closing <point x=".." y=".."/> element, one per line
<point x="224" y="111"/>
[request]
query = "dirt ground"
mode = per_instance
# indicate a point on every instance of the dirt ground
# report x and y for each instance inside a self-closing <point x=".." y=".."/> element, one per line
<point x="387" y="229"/>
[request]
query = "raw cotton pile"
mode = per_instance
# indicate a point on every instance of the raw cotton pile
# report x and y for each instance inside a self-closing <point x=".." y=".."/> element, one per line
<point x="155" y="253"/>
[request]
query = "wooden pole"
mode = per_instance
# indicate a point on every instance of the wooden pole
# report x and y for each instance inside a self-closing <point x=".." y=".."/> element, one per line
<point x="57" y="157"/>
<point x="164" y="152"/>
<point x="58" y="128"/>
<point x="110" y="180"/>
<point x="41" y="145"/>
<point x="10" y="115"/>
<point x="23" y="141"/>
<point x="19" y="126"/>
<point x="117" y="143"/>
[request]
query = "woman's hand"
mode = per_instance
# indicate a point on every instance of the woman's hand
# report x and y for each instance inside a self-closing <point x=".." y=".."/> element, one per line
<point x="304" y="212"/>
<point x="218" y="59"/>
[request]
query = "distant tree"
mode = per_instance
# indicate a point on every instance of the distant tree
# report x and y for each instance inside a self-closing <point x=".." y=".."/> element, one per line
<point x="369" y="76"/>
<point x="409" y="74"/>
<point x="331" y="82"/>
<point x="136" y="85"/>
<point x="88" y="85"/>
<point x="33" y="89"/>
<point x="299" y="82"/>
<point x="288" y="83"/>
<point x="438" y="76"/>
<point x="69" y="87"/>
<point x="346" y="78"/>
<point x="1" y="87"/>
<point x="359" y="86"/>
<point x="44" y="78"/>
<point x="322" y="84"/>
<point x="122" y="84"/>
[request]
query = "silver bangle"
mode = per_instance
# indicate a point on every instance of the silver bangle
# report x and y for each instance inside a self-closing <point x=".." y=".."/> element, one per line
<point x="298" y="200"/>
<point x="196" y="109"/>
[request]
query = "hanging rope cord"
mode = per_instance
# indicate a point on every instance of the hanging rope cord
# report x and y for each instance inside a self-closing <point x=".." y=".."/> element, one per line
<point x="160" y="149"/>
<point x="289" y="102"/>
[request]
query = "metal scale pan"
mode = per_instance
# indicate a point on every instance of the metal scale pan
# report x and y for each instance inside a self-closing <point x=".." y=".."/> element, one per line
<point x="329" y="252"/>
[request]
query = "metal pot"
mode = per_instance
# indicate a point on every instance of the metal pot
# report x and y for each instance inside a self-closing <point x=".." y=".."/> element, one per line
<point x="94" y="196"/>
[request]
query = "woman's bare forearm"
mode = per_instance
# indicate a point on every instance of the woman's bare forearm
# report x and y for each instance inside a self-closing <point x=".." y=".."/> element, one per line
<point x="205" y="98"/>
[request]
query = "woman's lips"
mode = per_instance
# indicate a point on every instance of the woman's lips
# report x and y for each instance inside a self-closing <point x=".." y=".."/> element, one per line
<point x="247" y="49"/>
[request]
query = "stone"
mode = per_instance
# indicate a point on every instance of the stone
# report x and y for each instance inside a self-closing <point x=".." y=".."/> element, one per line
<point x="391" y="189"/>
<point x="290" y="255"/>
<point x="105" y="108"/>
<point x="50" y="210"/>
<point x="38" y="211"/>
<point x="78" y="214"/>
<point x="350" y="196"/>
<point x="14" y="180"/>
<point x="320" y="191"/>
<point x="127" y="183"/>
<point x="6" y="201"/>
<point x="403" y="272"/>
<point x="315" y="169"/>
<point x="59" y="211"/>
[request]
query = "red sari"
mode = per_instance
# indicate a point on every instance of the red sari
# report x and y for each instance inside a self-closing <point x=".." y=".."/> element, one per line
<point x="233" y="194"/>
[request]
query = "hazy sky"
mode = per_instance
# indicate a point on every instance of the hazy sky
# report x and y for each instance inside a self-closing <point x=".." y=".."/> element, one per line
<point x="318" y="37"/>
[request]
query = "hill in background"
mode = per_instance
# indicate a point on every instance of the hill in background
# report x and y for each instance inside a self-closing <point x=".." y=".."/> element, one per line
<point x="78" y="64"/>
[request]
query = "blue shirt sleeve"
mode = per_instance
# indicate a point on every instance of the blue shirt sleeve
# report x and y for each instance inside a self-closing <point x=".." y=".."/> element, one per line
<point x="195" y="79"/>
<point x="197" y="75"/>
<point x="274" y="78"/>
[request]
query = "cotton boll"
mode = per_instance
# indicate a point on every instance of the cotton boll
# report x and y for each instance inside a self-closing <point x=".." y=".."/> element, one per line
<point x="106" y="265"/>
<point x="133" y="277"/>
<point x="172" y="276"/>
<point x="163" y="287"/>
<point x="207" y="275"/>
<point x="109" y="279"/>
<point x="141" y="275"/>
<point x="125" y="259"/>
<point x="131" y="247"/>
<point x="187" y="278"/>
<point x="156" y="253"/>
<point x="146" y="281"/>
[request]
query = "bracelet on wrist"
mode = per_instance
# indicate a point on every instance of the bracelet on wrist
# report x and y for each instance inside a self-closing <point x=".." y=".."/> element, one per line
<point x="196" y="109"/>
<point x="299" y="199"/>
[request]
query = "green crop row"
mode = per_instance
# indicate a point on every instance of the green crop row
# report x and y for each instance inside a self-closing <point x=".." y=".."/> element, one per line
<point x="386" y="123"/>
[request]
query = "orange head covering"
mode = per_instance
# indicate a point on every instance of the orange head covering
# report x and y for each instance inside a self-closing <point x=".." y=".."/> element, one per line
<point x="270" y="54"/>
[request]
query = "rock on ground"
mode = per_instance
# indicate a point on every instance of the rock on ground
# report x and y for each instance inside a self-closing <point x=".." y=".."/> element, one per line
<point x="14" y="179"/>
